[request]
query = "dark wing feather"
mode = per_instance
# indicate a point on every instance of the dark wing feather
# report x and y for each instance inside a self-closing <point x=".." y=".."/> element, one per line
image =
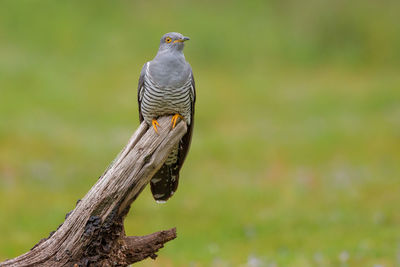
<point x="140" y="91"/>
<point x="184" y="144"/>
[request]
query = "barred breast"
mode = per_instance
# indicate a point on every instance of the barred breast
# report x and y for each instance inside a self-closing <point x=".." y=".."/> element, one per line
<point x="159" y="100"/>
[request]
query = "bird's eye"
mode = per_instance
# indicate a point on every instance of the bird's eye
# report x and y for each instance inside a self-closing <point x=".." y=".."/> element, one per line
<point x="168" y="40"/>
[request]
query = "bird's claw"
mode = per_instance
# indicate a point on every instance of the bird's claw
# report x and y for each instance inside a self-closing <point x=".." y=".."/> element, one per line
<point x="154" y="122"/>
<point x="175" y="119"/>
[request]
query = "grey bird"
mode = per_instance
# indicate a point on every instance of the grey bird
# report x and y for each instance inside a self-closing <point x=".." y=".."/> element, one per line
<point x="166" y="87"/>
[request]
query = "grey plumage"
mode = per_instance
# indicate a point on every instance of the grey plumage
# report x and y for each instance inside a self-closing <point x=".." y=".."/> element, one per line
<point x="166" y="87"/>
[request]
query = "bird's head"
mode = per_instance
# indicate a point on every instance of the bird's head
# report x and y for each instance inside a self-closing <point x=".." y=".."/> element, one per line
<point x="173" y="41"/>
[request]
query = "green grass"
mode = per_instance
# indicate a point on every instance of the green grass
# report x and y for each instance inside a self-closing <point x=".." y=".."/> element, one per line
<point x="296" y="150"/>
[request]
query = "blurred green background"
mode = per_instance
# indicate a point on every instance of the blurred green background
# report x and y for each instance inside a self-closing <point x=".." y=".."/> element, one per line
<point x="295" y="158"/>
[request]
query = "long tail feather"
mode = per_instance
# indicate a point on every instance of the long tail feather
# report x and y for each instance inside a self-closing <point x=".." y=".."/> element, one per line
<point x="165" y="182"/>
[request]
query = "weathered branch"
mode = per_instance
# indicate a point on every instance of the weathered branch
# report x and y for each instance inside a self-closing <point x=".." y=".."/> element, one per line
<point x="93" y="233"/>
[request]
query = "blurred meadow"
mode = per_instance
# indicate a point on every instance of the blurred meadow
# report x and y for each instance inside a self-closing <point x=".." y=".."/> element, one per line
<point x="295" y="159"/>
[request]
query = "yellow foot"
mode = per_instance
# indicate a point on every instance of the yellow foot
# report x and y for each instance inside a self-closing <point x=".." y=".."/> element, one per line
<point x="175" y="119"/>
<point x="155" y="124"/>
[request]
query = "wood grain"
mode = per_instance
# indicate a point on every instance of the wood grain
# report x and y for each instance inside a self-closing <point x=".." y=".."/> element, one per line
<point x="93" y="233"/>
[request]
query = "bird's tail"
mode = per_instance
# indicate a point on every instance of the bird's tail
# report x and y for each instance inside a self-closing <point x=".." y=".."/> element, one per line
<point x="165" y="182"/>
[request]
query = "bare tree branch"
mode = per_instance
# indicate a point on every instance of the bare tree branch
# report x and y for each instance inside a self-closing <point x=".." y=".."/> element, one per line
<point x="93" y="233"/>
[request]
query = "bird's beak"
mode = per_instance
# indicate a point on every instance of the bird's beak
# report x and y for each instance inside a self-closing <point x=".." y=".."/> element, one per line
<point x="182" y="40"/>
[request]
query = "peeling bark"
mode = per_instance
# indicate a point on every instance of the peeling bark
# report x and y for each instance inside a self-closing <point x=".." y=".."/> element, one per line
<point x="93" y="233"/>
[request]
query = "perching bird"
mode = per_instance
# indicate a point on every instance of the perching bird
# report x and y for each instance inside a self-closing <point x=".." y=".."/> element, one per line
<point x="166" y="87"/>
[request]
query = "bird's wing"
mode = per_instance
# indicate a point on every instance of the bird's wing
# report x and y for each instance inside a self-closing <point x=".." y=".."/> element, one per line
<point x="184" y="144"/>
<point x="140" y="90"/>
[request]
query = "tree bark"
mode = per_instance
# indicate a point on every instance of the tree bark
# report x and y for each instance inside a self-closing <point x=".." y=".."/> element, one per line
<point x="93" y="233"/>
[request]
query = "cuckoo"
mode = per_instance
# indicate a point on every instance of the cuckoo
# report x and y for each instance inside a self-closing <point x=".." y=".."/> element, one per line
<point x="166" y="87"/>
